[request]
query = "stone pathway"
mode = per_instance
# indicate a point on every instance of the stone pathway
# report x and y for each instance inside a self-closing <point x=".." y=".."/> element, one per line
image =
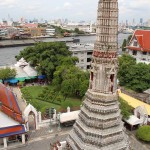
<point x="46" y="131"/>
<point x="135" y="144"/>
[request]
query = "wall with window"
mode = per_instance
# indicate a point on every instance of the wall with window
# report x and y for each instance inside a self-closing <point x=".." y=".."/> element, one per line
<point x="140" y="56"/>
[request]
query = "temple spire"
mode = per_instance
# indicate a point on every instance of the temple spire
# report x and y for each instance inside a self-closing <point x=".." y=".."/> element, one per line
<point x="100" y="125"/>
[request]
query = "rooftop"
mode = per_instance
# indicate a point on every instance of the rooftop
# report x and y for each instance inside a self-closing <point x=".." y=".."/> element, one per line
<point x="143" y="38"/>
<point x="134" y="102"/>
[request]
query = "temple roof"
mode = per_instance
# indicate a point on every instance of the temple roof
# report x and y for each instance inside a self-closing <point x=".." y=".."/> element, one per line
<point x="9" y="104"/>
<point x="143" y="38"/>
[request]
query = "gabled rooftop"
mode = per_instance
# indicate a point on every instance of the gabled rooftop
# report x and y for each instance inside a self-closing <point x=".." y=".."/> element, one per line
<point x="9" y="104"/>
<point x="143" y="38"/>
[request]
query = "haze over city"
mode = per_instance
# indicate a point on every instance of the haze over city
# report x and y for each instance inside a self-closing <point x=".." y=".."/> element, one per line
<point x="75" y="10"/>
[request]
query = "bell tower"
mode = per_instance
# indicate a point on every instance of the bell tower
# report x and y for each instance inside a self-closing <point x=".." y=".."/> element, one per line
<point x="99" y="126"/>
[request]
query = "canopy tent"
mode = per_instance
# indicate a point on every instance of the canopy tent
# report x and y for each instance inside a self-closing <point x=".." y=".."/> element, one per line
<point x="13" y="81"/>
<point x="21" y="62"/>
<point x="20" y="72"/>
<point x="20" y="79"/>
<point x="30" y="71"/>
<point x="7" y="80"/>
<point x="23" y="72"/>
<point x="27" y="78"/>
<point x="42" y="77"/>
<point x="34" y="77"/>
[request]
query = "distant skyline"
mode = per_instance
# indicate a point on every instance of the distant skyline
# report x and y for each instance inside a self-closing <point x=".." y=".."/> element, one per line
<point x="75" y="10"/>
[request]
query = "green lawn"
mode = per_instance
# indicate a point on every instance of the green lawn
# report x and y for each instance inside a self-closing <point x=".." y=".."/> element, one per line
<point x="34" y="90"/>
<point x="31" y="94"/>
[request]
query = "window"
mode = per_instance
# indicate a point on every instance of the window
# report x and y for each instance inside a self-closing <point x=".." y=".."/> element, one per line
<point x="134" y="52"/>
<point x="88" y="66"/>
<point x="89" y="53"/>
<point x="143" y="58"/>
<point x="135" y="43"/>
<point x="88" y="59"/>
<point x="144" y="53"/>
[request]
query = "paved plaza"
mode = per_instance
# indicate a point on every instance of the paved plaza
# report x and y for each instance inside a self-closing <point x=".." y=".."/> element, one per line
<point x="41" y="139"/>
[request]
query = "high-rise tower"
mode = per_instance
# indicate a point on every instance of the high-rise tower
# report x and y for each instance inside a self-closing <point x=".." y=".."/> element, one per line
<point x="99" y="126"/>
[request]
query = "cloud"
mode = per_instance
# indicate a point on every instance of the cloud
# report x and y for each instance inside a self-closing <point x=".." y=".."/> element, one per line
<point x="32" y="8"/>
<point x="67" y="5"/>
<point x="8" y="2"/>
<point x="71" y="9"/>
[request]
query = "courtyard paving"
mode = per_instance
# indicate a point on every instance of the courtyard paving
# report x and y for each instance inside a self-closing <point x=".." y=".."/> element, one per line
<point x="41" y="139"/>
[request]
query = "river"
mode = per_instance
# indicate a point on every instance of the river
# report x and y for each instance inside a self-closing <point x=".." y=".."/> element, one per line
<point x="7" y="55"/>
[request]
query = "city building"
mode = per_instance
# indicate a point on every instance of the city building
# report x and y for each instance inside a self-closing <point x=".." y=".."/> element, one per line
<point x="100" y="126"/>
<point x="139" y="46"/>
<point x="12" y="124"/>
<point x="86" y="27"/>
<point x="50" y="31"/>
<point x="84" y="54"/>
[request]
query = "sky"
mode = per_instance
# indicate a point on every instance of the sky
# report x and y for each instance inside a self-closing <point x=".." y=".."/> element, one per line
<point x="75" y="10"/>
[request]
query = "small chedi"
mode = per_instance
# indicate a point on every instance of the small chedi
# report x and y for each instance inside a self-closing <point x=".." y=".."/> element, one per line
<point x="99" y="126"/>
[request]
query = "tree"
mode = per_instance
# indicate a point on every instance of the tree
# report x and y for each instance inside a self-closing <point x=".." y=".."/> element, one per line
<point x="70" y="80"/>
<point x="45" y="56"/>
<point x="126" y="109"/>
<point x="133" y="76"/>
<point x="76" y="30"/>
<point x="124" y="45"/>
<point x="126" y="63"/>
<point x="128" y="39"/>
<point x="7" y="73"/>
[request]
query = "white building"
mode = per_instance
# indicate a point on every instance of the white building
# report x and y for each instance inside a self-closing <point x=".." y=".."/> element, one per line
<point x="50" y="31"/>
<point x="84" y="54"/>
<point x="139" y="46"/>
<point x="86" y="27"/>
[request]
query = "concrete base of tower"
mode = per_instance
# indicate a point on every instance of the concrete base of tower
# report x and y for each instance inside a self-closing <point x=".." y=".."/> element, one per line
<point x="74" y="143"/>
<point x="99" y="126"/>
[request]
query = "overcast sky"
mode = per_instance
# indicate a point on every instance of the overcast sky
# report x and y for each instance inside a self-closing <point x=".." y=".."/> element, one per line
<point x="75" y="10"/>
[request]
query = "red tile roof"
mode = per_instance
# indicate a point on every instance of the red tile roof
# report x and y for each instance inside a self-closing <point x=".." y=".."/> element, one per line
<point x="31" y="25"/>
<point x="13" y="130"/>
<point x="143" y="38"/>
<point x="9" y="104"/>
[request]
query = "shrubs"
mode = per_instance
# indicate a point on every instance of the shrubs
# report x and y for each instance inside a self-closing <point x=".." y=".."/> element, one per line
<point x="126" y="109"/>
<point x="143" y="133"/>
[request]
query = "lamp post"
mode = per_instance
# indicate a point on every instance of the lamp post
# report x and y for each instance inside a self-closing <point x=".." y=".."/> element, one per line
<point x="50" y="124"/>
<point x="59" y="128"/>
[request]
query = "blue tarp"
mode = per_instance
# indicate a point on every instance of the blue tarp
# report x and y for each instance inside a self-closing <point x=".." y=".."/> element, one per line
<point x="42" y="77"/>
<point x="13" y="81"/>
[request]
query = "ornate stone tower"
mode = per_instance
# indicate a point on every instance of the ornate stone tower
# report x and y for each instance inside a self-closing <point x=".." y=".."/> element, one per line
<point x="99" y="126"/>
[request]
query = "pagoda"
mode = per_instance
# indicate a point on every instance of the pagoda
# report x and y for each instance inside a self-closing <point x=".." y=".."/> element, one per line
<point x="100" y="125"/>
